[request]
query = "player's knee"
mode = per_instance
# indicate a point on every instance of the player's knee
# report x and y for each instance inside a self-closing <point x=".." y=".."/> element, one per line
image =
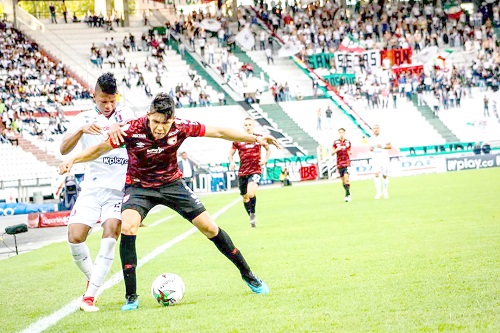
<point x="75" y="237"/>
<point x="246" y="198"/>
<point x="112" y="228"/>
<point x="130" y="228"/>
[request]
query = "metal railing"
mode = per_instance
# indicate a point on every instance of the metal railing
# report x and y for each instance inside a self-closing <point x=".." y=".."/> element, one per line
<point x="29" y="20"/>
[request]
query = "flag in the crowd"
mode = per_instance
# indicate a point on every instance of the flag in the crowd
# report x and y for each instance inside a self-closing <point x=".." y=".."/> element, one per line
<point x="442" y="56"/>
<point x="288" y="49"/>
<point x="453" y="9"/>
<point x="351" y="44"/>
<point x="245" y="39"/>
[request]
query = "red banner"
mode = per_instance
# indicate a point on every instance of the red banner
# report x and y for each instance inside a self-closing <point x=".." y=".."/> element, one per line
<point x="397" y="57"/>
<point x="309" y="172"/>
<point x="55" y="219"/>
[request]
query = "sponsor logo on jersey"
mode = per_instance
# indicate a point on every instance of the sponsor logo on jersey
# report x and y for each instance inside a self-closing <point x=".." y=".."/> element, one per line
<point x="140" y="144"/>
<point x="174" y="132"/>
<point x="155" y="150"/>
<point x="139" y="136"/>
<point x="172" y="141"/>
<point x="114" y="160"/>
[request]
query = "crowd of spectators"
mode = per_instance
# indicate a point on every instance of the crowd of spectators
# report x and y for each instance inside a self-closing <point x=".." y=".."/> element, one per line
<point x="321" y="29"/>
<point x="190" y="92"/>
<point x="32" y="85"/>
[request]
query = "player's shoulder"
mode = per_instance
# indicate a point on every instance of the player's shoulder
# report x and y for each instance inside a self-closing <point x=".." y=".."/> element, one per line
<point x="126" y="112"/>
<point x="179" y="122"/>
<point x="84" y="117"/>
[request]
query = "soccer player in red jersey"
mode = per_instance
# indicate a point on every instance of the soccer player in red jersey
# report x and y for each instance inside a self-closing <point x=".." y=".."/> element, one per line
<point x="250" y="169"/>
<point x="153" y="178"/>
<point x="342" y="147"/>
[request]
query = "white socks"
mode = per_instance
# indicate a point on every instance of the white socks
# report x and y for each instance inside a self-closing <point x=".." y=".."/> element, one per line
<point x="81" y="257"/>
<point x="102" y="265"/>
<point x="378" y="185"/>
<point x="385" y="182"/>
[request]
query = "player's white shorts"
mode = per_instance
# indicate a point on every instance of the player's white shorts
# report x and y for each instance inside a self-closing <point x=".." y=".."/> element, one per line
<point x="97" y="204"/>
<point x="381" y="165"/>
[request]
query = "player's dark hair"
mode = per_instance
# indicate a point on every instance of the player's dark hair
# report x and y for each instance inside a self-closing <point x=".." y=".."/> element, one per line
<point x="163" y="103"/>
<point x="342" y="129"/>
<point x="107" y="84"/>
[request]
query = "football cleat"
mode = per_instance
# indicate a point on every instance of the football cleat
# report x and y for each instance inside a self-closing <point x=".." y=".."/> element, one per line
<point x="256" y="285"/>
<point x="253" y="220"/>
<point x="131" y="303"/>
<point x="347" y="198"/>
<point x="87" y="304"/>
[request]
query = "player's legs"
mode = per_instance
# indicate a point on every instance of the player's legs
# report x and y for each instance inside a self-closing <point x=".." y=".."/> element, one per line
<point x="376" y="168"/>
<point x="111" y="217"/>
<point x="83" y="217"/>
<point x="77" y="235"/>
<point x="225" y="245"/>
<point x="137" y="203"/>
<point x="186" y="203"/>
<point x="346" y="184"/>
<point x="243" y="186"/>
<point x="252" y="199"/>
<point x="385" y="179"/>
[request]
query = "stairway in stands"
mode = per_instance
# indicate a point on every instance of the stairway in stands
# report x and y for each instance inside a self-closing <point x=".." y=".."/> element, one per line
<point x="288" y="126"/>
<point x="435" y="122"/>
<point x="40" y="155"/>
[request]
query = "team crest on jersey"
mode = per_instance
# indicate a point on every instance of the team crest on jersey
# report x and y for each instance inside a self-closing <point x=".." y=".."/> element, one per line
<point x="125" y="198"/>
<point x="172" y="141"/>
<point x="73" y="212"/>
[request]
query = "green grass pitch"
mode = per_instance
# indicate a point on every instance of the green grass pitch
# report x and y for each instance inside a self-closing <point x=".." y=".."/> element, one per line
<point x="426" y="260"/>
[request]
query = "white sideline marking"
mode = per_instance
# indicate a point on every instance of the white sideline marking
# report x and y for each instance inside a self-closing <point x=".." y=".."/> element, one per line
<point x="44" y="323"/>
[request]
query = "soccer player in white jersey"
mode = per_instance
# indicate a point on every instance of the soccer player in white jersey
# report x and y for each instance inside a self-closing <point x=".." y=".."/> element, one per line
<point x="380" y="146"/>
<point x="101" y="195"/>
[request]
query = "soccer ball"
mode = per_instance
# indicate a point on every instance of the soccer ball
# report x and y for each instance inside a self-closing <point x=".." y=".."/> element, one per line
<point x="167" y="289"/>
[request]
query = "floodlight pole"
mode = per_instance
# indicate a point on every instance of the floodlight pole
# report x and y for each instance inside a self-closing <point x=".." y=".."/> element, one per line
<point x="14" y="3"/>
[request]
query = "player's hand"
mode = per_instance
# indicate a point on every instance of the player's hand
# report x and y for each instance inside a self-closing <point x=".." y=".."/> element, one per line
<point x="117" y="134"/>
<point x="265" y="140"/>
<point x="65" y="167"/>
<point x="93" y="129"/>
<point x="232" y="166"/>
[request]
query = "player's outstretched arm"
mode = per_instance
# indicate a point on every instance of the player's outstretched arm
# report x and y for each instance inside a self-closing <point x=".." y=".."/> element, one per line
<point x="268" y="154"/>
<point x="89" y="154"/>
<point x="70" y="140"/>
<point x="232" y="165"/>
<point x="236" y="135"/>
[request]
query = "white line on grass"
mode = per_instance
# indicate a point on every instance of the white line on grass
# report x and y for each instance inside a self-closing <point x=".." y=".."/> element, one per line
<point x="44" y="323"/>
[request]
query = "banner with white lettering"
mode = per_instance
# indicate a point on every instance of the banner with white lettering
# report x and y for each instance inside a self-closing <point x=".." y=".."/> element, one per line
<point x="344" y="60"/>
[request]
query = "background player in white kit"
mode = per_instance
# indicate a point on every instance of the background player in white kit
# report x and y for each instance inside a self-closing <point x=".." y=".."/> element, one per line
<point x="101" y="195"/>
<point x="380" y="147"/>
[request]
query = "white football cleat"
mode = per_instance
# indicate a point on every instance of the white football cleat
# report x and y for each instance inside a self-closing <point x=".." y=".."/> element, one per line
<point x="377" y="196"/>
<point x="347" y="198"/>
<point x="87" y="304"/>
<point x="386" y="195"/>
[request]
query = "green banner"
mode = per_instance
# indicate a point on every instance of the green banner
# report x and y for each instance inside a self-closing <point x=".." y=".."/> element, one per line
<point x="337" y="79"/>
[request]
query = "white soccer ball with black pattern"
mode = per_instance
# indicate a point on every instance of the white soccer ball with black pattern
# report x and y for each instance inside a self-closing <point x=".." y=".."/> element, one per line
<point x="168" y="289"/>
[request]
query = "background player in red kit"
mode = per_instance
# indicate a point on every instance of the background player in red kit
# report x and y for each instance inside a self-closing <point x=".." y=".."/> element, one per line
<point x="153" y="178"/>
<point x="342" y="147"/>
<point x="250" y="169"/>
